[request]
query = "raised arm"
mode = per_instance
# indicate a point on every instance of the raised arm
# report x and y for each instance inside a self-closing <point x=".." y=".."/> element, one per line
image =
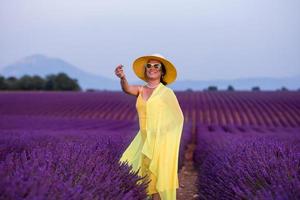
<point x="129" y="89"/>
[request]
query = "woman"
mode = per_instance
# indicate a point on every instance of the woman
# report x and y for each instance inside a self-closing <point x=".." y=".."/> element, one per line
<point x="154" y="150"/>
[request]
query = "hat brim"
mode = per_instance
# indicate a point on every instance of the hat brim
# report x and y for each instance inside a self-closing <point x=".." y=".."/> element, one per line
<point x="139" y="69"/>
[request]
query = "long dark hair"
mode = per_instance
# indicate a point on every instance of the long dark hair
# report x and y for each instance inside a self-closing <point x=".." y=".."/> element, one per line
<point x="163" y="70"/>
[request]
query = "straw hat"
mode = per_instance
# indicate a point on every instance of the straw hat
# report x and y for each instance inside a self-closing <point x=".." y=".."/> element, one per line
<point x="139" y="69"/>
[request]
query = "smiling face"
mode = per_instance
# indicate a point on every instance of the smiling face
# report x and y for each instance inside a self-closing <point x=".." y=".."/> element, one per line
<point x="153" y="72"/>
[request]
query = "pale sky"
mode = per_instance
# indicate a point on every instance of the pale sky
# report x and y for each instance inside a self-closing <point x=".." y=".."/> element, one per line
<point x="212" y="39"/>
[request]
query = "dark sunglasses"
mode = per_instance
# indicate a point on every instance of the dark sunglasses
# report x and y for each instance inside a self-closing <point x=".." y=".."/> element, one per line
<point x="155" y="65"/>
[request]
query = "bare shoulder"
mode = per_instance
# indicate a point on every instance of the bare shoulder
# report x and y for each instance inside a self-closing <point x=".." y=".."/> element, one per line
<point x="135" y="89"/>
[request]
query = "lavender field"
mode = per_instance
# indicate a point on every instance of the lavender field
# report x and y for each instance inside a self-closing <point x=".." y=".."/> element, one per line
<point x="66" y="145"/>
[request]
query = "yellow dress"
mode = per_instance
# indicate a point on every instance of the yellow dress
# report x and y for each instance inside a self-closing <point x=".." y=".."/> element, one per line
<point x="154" y="150"/>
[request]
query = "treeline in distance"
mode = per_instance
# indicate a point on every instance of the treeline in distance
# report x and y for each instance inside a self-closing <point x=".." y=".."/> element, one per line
<point x="60" y="81"/>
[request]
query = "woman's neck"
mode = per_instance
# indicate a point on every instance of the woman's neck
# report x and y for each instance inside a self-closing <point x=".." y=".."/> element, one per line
<point x="153" y="82"/>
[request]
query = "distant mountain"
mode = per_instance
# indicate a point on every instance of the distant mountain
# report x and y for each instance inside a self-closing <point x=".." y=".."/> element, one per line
<point x="42" y="65"/>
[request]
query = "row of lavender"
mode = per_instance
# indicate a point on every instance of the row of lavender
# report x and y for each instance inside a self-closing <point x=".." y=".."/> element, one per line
<point x="241" y="108"/>
<point x="247" y="144"/>
<point x="75" y="162"/>
<point x="69" y="104"/>
<point x="245" y="163"/>
<point x="43" y="157"/>
<point x="28" y="119"/>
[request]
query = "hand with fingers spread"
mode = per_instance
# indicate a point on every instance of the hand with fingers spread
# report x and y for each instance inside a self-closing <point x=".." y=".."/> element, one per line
<point x="119" y="71"/>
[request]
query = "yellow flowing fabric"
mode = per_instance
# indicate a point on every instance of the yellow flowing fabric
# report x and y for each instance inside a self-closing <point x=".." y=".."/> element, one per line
<point x="155" y="148"/>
